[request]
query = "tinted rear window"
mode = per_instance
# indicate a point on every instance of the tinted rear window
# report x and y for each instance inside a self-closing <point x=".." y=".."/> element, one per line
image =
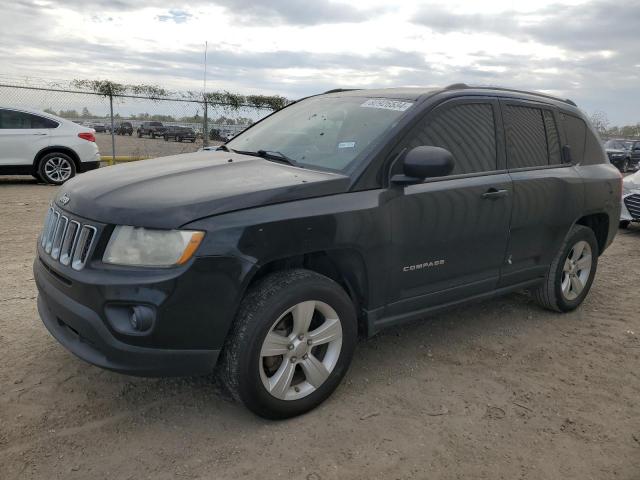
<point x="575" y="130"/>
<point x="526" y="137"/>
<point x="553" y="138"/>
<point x="593" y="151"/>
<point x="11" y="119"/>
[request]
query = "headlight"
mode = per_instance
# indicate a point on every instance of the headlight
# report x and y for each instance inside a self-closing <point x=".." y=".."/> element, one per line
<point x="151" y="248"/>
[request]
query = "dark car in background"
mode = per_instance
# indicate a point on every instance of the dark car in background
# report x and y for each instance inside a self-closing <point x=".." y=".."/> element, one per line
<point x="619" y="154"/>
<point x="179" y="134"/>
<point x="634" y="155"/>
<point x="219" y="135"/>
<point x="123" y="128"/>
<point x="151" y="129"/>
<point x="99" y="127"/>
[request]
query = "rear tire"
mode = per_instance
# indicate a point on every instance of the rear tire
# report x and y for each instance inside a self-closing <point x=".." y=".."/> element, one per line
<point x="56" y="168"/>
<point x="308" y="322"/>
<point x="571" y="273"/>
<point x="624" y="224"/>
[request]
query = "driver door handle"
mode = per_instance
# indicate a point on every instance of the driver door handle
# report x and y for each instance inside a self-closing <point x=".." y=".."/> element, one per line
<point x="494" y="194"/>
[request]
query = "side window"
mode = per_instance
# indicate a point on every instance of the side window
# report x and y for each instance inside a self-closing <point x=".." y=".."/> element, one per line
<point x="10" y="119"/>
<point x="575" y="130"/>
<point x="593" y="151"/>
<point x="466" y="130"/>
<point x="526" y="137"/>
<point x="553" y="139"/>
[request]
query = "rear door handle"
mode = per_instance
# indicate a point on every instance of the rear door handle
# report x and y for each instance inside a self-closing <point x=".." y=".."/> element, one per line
<point x="494" y="194"/>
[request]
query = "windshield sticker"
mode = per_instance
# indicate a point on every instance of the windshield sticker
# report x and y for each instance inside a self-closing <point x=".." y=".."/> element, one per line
<point x="347" y="145"/>
<point x="386" y="104"/>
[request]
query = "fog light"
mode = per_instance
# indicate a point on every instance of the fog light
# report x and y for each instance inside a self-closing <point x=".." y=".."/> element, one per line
<point x="141" y="318"/>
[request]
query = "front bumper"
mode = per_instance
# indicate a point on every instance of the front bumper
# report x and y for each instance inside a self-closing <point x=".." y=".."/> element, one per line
<point x="82" y="331"/>
<point x="87" y="166"/>
<point x="630" y="206"/>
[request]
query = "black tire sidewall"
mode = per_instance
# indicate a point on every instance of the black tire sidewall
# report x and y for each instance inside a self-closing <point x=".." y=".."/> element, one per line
<point x="43" y="161"/>
<point x="250" y="387"/>
<point x="578" y="234"/>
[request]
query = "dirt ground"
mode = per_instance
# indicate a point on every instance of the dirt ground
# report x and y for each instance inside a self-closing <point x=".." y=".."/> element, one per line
<point x="499" y="390"/>
<point x="145" y="146"/>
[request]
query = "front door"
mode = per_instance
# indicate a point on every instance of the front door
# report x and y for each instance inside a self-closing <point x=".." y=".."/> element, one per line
<point x="450" y="234"/>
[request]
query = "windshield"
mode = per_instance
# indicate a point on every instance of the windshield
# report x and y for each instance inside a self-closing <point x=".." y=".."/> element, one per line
<point x="325" y="132"/>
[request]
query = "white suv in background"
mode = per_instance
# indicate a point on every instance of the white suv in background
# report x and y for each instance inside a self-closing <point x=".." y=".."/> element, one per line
<point x="50" y="148"/>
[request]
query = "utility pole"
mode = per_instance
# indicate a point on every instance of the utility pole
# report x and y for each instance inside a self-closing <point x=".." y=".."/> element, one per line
<point x="113" y="135"/>
<point x="205" y="133"/>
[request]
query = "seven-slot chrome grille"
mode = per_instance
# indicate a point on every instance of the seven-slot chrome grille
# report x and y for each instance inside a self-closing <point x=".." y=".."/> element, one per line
<point x="632" y="203"/>
<point x="67" y="240"/>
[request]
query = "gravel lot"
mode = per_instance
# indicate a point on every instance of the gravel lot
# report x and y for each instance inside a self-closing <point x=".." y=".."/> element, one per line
<point x="499" y="390"/>
<point x="145" y="146"/>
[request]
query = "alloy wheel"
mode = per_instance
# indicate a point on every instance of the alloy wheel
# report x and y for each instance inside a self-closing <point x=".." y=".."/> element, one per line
<point x="300" y="350"/>
<point x="58" y="169"/>
<point x="576" y="270"/>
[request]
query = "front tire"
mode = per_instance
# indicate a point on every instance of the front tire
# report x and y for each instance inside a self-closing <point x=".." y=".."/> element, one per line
<point x="571" y="273"/>
<point x="56" y="168"/>
<point x="291" y="344"/>
<point x="624" y="224"/>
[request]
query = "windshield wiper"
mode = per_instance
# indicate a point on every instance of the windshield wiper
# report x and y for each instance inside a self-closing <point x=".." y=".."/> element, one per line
<point x="270" y="155"/>
<point x="277" y="156"/>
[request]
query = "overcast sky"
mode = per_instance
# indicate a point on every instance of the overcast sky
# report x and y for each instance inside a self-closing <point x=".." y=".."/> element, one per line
<point x="585" y="50"/>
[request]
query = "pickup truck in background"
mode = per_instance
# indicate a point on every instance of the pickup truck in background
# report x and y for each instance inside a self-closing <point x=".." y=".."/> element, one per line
<point x="151" y="129"/>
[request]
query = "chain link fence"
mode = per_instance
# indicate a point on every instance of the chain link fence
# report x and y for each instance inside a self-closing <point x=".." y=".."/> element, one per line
<point x="117" y="119"/>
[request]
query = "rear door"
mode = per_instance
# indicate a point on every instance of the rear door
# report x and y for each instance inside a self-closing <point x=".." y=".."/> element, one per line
<point x="547" y="189"/>
<point x="449" y="234"/>
<point x="22" y="136"/>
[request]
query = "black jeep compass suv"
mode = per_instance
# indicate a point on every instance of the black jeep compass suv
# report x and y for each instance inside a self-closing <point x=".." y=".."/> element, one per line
<point x="339" y="215"/>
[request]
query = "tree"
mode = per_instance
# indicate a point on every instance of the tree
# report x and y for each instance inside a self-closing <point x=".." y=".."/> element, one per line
<point x="69" y="114"/>
<point x="86" y="113"/>
<point x="600" y="121"/>
<point x="50" y="111"/>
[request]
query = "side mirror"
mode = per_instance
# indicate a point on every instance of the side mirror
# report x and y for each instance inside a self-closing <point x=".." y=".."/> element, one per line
<point x="424" y="162"/>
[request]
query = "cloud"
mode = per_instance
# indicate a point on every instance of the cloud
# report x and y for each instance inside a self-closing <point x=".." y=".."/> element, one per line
<point x="294" y="12"/>
<point x="175" y="16"/>
<point x="283" y="12"/>
<point x="594" y="26"/>
<point x="295" y="48"/>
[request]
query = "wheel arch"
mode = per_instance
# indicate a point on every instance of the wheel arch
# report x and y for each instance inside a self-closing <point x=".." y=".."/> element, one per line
<point x="599" y="223"/>
<point x="344" y="266"/>
<point x="56" y="149"/>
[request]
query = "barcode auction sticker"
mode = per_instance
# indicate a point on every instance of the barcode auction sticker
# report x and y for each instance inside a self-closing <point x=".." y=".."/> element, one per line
<point x="386" y="104"/>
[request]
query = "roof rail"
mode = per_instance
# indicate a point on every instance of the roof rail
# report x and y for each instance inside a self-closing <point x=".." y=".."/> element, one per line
<point x="462" y="86"/>
<point x="338" y="90"/>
